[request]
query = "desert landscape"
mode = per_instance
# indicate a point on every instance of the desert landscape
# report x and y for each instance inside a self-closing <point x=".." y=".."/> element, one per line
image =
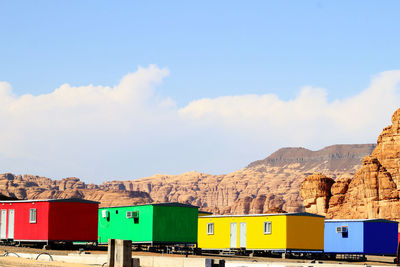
<point x="339" y="181"/>
<point x="268" y="185"/>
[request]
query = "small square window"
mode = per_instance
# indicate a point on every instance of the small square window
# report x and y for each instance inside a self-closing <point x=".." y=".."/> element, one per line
<point x="267" y="228"/>
<point x="210" y="228"/>
<point x="32" y="215"/>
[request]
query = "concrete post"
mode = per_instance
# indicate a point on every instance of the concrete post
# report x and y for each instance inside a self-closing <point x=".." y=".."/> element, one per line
<point x="135" y="262"/>
<point x="123" y="253"/>
<point x="111" y="252"/>
<point x="209" y="263"/>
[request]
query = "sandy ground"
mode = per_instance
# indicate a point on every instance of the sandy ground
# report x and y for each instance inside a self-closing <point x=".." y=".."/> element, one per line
<point x="14" y="261"/>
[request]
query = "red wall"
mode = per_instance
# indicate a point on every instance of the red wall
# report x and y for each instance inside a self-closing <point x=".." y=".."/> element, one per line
<point x="73" y="221"/>
<point x="23" y="229"/>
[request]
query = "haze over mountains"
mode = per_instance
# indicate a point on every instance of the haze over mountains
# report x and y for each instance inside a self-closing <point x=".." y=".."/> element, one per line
<point x="267" y="185"/>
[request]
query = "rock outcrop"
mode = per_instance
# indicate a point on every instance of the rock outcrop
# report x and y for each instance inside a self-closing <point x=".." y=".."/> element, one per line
<point x="263" y="186"/>
<point x="316" y="192"/>
<point x="36" y="187"/>
<point x="374" y="190"/>
<point x="272" y="183"/>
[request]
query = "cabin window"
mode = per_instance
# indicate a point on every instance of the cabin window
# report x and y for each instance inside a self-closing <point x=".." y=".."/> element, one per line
<point x="32" y="215"/>
<point x="343" y="230"/>
<point x="267" y="228"/>
<point x="105" y="214"/>
<point x="210" y="228"/>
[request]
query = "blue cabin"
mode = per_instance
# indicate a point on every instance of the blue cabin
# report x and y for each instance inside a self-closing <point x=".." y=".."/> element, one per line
<point x="368" y="237"/>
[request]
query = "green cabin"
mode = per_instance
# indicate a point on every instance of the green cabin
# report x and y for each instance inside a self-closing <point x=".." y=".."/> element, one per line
<point x="159" y="223"/>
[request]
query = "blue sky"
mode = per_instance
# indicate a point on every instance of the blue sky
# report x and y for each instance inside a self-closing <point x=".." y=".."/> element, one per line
<point x="201" y="50"/>
<point x="212" y="48"/>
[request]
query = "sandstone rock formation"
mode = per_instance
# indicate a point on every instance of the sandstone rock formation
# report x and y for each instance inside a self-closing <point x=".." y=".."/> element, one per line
<point x="35" y="187"/>
<point x="374" y="190"/>
<point x="272" y="183"/>
<point x="269" y="185"/>
<point x="316" y="192"/>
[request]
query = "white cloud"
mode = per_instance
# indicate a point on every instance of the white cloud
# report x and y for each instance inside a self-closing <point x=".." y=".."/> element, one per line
<point x="127" y="131"/>
<point x="307" y="119"/>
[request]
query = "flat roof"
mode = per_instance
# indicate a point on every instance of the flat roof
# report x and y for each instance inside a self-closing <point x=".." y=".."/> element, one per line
<point x="269" y="214"/>
<point x="360" y="220"/>
<point x="171" y="204"/>
<point x="50" y="200"/>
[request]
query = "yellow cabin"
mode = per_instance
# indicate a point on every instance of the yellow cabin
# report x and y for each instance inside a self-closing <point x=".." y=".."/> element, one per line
<point x="276" y="232"/>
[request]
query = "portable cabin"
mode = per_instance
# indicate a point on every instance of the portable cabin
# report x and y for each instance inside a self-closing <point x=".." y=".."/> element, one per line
<point x="159" y="223"/>
<point x="48" y="220"/>
<point x="367" y="237"/>
<point x="269" y="232"/>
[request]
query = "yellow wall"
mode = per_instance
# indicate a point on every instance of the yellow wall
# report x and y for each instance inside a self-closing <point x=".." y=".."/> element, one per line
<point x="305" y="232"/>
<point x="256" y="239"/>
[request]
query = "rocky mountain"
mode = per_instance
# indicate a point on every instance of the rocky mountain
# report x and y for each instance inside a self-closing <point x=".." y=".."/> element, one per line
<point x="36" y="187"/>
<point x="336" y="158"/>
<point x="272" y="183"/>
<point x="268" y="185"/>
<point x="373" y="192"/>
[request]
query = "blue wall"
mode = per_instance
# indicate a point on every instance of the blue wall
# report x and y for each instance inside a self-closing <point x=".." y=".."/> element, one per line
<point x="339" y="243"/>
<point x="380" y="238"/>
<point x="364" y="237"/>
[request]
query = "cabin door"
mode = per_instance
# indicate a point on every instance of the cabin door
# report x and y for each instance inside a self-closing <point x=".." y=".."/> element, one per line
<point x="10" y="234"/>
<point x="243" y="234"/>
<point x="233" y="235"/>
<point x="3" y="224"/>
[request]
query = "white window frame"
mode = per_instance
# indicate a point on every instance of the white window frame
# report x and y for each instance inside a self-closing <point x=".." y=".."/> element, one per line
<point x="105" y="214"/>
<point x="210" y="228"/>
<point x="32" y="215"/>
<point x="266" y="230"/>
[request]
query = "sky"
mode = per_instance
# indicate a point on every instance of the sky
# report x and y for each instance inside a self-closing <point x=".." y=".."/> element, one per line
<point x="112" y="90"/>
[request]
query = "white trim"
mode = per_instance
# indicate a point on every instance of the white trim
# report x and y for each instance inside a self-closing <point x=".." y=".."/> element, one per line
<point x="210" y="230"/>
<point x="265" y="229"/>
<point x="360" y="220"/>
<point x="32" y="215"/>
<point x="30" y="240"/>
<point x="49" y="200"/>
<point x="269" y="214"/>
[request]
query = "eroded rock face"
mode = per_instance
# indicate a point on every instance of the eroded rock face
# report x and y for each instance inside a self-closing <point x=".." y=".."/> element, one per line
<point x="374" y="190"/>
<point x="263" y="186"/>
<point x="316" y="192"/>
<point x="35" y="187"/>
<point x="272" y="183"/>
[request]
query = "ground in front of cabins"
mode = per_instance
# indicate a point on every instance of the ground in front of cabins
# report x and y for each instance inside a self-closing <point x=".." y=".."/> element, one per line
<point x="13" y="260"/>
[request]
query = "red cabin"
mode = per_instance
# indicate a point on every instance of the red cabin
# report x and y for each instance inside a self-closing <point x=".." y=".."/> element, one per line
<point x="49" y="220"/>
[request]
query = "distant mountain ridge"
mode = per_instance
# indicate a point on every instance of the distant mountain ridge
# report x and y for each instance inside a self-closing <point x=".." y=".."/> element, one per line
<point x="263" y="186"/>
<point x="338" y="156"/>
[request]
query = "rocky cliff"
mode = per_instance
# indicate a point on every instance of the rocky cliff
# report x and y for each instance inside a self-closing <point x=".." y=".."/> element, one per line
<point x="373" y="192"/>
<point x="268" y="185"/>
<point x="36" y="187"/>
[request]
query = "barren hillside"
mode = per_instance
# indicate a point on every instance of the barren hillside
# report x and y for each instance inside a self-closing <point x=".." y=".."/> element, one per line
<point x="265" y="185"/>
